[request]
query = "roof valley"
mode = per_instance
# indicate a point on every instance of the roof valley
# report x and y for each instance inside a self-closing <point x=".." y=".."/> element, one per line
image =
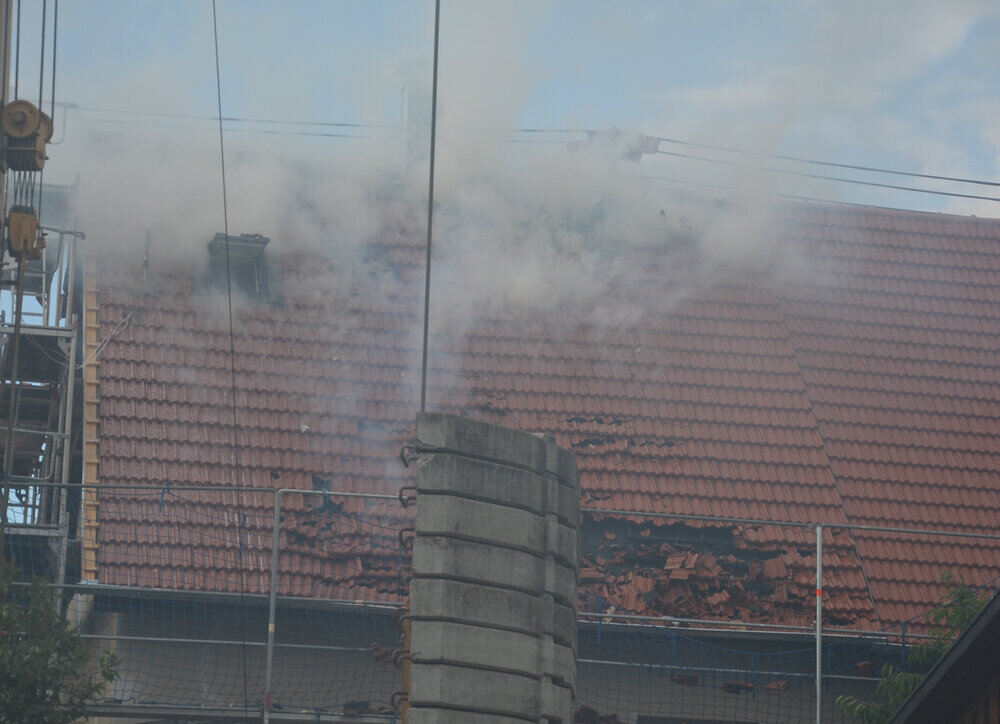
<point x="826" y="454"/>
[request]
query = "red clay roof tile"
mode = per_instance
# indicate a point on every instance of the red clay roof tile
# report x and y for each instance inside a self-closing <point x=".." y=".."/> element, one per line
<point x="868" y="395"/>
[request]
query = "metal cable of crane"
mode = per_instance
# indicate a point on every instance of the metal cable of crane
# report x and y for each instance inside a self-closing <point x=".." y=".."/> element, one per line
<point x="25" y="132"/>
<point x="41" y="56"/>
<point x="17" y="50"/>
<point x="55" y="45"/>
<point x="6" y="53"/>
<point x="41" y="87"/>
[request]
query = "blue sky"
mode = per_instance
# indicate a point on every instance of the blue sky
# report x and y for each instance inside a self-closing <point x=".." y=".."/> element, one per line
<point x="907" y="85"/>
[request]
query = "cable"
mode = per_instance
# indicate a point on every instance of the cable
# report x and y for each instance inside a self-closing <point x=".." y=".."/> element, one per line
<point x="830" y="178"/>
<point x="540" y="141"/>
<point x="6" y="52"/>
<point x="430" y="210"/>
<point x="41" y="87"/>
<point x="17" y="51"/>
<point x="665" y="139"/>
<point x="5" y="87"/>
<point x="726" y="149"/>
<point x="240" y="119"/>
<point x="553" y="130"/>
<point x="61" y="359"/>
<point x="261" y="131"/>
<point x="832" y="164"/>
<point x="41" y="56"/>
<point x="232" y="361"/>
<point x="104" y="342"/>
<point x="55" y="39"/>
<point x="234" y="119"/>
<point x="795" y="197"/>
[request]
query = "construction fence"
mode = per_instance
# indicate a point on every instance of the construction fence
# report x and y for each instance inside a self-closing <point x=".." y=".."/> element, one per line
<point x="239" y="603"/>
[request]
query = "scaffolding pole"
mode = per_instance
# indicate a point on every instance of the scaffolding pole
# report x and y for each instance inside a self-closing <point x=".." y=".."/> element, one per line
<point x="819" y="624"/>
<point x="67" y="453"/>
<point x="271" y="605"/>
<point x="8" y="453"/>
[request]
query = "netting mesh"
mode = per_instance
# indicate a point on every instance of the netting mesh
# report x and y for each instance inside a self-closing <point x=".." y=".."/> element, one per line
<point x="183" y="597"/>
<point x="630" y="671"/>
<point x="213" y="654"/>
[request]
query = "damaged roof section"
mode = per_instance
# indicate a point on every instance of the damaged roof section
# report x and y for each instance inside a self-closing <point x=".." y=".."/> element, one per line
<point x="718" y="572"/>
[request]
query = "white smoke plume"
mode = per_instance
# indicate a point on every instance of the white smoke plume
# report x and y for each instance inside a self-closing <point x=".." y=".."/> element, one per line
<point x="519" y="228"/>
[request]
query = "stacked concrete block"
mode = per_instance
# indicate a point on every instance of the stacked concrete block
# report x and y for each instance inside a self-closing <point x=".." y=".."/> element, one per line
<point x="495" y="573"/>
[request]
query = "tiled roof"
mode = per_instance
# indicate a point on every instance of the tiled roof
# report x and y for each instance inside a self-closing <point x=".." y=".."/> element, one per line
<point x="868" y="394"/>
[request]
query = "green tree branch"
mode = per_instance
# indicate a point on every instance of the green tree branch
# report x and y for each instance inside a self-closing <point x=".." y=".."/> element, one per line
<point x="957" y="610"/>
<point x="43" y="677"/>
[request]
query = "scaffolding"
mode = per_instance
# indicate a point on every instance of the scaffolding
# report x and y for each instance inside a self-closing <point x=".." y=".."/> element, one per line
<point x="39" y="389"/>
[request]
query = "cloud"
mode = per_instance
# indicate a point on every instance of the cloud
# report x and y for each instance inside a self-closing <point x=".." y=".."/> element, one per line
<point x="875" y="84"/>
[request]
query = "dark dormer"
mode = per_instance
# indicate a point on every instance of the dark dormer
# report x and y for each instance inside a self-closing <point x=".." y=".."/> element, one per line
<point x="250" y="269"/>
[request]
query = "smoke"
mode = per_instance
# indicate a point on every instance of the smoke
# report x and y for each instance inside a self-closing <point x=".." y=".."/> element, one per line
<point x="566" y="232"/>
<point x="539" y="229"/>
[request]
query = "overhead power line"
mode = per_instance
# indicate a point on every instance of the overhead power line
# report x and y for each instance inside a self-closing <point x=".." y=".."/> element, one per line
<point x="776" y="194"/>
<point x="281" y="121"/>
<point x="663" y="139"/>
<point x="228" y="119"/>
<point x="784" y="157"/>
<point x="237" y="463"/>
<point x="258" y="131"/>
<point x="831" y="164"/>
<point x="824" y="177"/>
<point x="430" y="209"/>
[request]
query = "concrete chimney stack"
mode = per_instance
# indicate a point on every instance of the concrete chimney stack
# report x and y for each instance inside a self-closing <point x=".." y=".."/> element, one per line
<point x="495" y="573"/>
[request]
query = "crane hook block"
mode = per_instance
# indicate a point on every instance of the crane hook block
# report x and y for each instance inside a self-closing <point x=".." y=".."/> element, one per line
<point x="24" y="237"/>
<point x="20" y="119"/>
<point x="26" y="132"/>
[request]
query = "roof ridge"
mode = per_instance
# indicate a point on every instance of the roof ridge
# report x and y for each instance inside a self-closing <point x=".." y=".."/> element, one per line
<point x="875" y="210"/>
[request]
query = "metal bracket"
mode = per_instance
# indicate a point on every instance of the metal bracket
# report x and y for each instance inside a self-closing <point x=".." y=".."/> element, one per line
<point x="399" y="656"/>
<point x="397" y="699"/>
<point x="405" y="574"/>
<point x="414" y="447"/>
<point x="407" y="452"/>
<point x="404" y="499"/>
<point x="406" y="537"/>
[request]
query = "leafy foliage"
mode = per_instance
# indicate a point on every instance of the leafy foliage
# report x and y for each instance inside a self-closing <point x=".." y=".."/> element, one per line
<point x="42" y="658"/>
<point x="958" y="609"/>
